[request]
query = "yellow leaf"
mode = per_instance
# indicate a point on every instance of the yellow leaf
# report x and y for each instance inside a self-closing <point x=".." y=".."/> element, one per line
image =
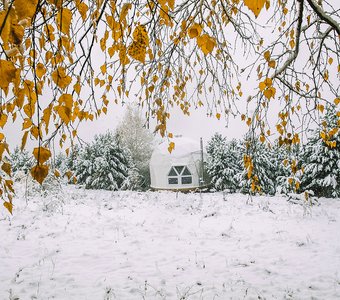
<point x="56" y="173"/>
<point x="272" y="63"/>
<point x="330" y="60"/>
<point x="326" y="75"/>
<point x="195" y="30"/>
<point x="321" y="108"/>
<point x="269" y="93"/>
<point x="40" y="70"/>
<point x="111" y="51"/>
<point x="266" y="55"/>
<point x="82" y="8"/>
<point x="77" y="88"/>
<point x="69" y="174"/>
<point x="336" y="101"/>
<point x="267" y="4"/>
<point x="41" y="154"/>
<point x="5" y="25"/>
<point x="250" y="172"/>
<point x="140" y="35"/>
<point x="206" y="43"/>
<point x="124" y="11"/>
<point x="323" y="135"/>
<point x="268" y="82"/>
<point x="64" y="18"/>
<point x="262" y="86"/>
<point x="24" y="140"/>
<point x="262" y="138"/>
<point x="64" y="108"/>
<point x="34" y="132"/>
<point x="9" y="206"/>
<point x="3" y="120"/>
<point x="60" y="78"/>
<point x="137" y="51"/>
<point x="292" y="44"/>
<point x="7" y="74"/>
<point x="218" y="116"/>
<point x="255" y="5"/>
<point x="171" y="147"/>
<point x="6" y="167"/>
<point x="11" y="31"/>
<point x="103" y="69"/>
<point x="39" y="173"/>
<point x="46" y="116"/>
<point x="25" y="8"/>
<point x="16" y="34"/>
<point x="124" y="60"/>
<point x="29" y="109"/>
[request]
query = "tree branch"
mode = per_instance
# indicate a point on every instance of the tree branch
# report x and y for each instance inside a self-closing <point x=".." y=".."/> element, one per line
<point x="323" y="16"/>
<point x="295" y="53"/>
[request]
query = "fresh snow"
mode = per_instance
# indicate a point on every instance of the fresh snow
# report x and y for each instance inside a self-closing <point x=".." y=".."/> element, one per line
<point x="85" y="244"/>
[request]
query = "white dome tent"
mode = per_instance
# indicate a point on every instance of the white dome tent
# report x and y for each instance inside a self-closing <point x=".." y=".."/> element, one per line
<point x="179" y="170"/>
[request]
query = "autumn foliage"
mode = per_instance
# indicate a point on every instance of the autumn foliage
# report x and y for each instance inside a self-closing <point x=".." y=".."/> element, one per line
<point x="63" y="62"/>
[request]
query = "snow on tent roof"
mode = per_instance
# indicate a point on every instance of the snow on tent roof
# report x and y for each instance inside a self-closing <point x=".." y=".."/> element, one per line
<point x="183" y="147"/>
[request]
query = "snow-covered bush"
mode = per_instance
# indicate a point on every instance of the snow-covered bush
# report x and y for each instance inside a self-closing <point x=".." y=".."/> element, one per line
<point x="50" y="186"/>
<point x="65" y="164"/>
<point x="223" y="163"/>
<point x="287" y="162"/>
<point x="103" y="164"/>
<point x="321" y="158"/>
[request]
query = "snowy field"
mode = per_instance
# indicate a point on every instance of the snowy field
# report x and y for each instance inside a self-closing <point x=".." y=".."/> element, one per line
<point x="79" y="244"/>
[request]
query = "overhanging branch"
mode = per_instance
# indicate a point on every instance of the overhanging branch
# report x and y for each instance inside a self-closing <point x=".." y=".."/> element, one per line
<point x="323" y="16"/>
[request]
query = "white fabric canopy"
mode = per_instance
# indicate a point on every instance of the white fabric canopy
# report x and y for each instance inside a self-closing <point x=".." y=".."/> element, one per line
<point x="187" y="154"/>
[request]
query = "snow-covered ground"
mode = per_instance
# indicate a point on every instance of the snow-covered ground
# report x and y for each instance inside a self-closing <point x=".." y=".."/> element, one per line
<point x="81" y="244"/>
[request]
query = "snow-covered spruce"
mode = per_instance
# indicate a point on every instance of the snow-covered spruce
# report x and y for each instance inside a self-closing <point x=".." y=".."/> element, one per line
<point x="263" y="167"/>
<point x="321" y="158"/>
<point x="224" y="163"/>
<point x="21" y="160"/>
<point x="104" y="164"/>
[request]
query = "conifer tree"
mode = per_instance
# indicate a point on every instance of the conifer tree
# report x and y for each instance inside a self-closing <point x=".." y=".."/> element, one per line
<point x="223" y="163"/>
<point x="103" y="164"/>
<point x="21" y="160"/>
<point x="321" y="157"/>
<point x="259" y="173"/>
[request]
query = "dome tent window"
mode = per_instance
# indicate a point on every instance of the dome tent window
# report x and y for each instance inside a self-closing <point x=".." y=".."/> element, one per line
<point x="179" y="174"/>
<point x="179" y="170"/>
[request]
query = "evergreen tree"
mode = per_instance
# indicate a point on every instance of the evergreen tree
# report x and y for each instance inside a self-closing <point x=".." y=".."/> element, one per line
<point x="262" y="171"/>
<point x="21" y="160"/>
<point x="321" y="158"/>
<point x="104" y="164"/>
<point x="223" y="163"/>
